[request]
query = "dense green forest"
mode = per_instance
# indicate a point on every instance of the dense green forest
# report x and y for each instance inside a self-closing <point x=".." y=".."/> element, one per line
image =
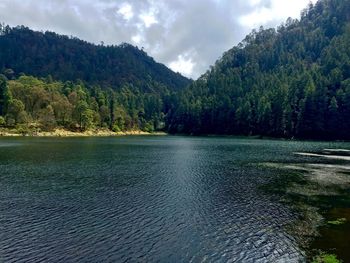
<point x="69" y="59"/>
<point x="293" y="81"/>
<point x="29" y="103"/>
<point x="289" y="82"/>
<point x="49" y="80"/>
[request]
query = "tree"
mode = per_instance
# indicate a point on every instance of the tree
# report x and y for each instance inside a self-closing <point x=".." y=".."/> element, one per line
<point x="63" y="110"/>
<point x="83" y="115"/>
<point x="122" y="121"/>
<point x="87" y="119"/>
<point x="104" y="116"/>
<point x="47" y="118"/>
<point x="333" y="122"/>
<point x="14" y="109"/>
<point x="3" y="88"/>
<point x="2" y="121"/>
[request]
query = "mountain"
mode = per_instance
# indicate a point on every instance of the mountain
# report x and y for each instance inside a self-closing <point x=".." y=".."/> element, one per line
<point x="69" y="59"/>
<point x="293" y="81"/>
<point x="51" y="81"/>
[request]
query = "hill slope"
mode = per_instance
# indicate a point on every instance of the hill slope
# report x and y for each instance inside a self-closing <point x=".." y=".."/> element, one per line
<point x="293" y="81"/>
<point x="69" y="59"/>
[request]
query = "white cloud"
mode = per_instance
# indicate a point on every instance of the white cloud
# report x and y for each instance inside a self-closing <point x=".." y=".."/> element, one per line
<point x="278" y="10"/>
<point x="137" y="39"/>
<point x="182" y="65"/>
<point x="148" y="19"/>
<point x="187" y="36"/>
<point x="254" y="2"/>
<point x="126" y="11"/>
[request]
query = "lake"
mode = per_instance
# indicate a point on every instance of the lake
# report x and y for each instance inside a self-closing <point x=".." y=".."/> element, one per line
<point x="145" y="199"/>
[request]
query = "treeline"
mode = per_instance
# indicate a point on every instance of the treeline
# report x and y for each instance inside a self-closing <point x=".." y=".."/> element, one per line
<point x="289" y="82"/>
<point x="69" y="59"/>
<point x="29" y="103"/>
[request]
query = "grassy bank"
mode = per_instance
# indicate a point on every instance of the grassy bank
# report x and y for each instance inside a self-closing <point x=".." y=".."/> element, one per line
<point x="60" y="132"/>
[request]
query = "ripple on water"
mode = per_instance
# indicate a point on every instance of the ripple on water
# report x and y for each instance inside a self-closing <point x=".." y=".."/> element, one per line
<point x="142" y="199"/>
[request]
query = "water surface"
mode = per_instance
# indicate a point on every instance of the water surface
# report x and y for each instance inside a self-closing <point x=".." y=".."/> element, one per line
<point x="142" y="199"/>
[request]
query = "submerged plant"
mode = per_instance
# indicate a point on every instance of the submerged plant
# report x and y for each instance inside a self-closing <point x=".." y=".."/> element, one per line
<point x="339" y="221"/>
<point x="326" y="258"/>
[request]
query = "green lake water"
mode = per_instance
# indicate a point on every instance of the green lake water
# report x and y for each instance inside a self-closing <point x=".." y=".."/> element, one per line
<point x="147" y="199"/>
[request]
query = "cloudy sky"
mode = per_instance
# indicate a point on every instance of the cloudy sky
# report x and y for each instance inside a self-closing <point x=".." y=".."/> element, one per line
<point x="186" y="35"/>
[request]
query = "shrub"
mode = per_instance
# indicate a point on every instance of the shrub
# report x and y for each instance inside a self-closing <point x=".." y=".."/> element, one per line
<point x="2" y="121"/>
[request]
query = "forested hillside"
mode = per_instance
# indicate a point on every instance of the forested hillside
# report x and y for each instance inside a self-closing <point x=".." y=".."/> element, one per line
<point x="50" y="81"/>
<point x="289" y="82"/>
<point x="293" y="81"/>
<point x="69" y="59"/>
<point x="31" y="104"/>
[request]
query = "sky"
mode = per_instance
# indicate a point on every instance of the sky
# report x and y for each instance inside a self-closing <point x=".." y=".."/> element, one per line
<point x="186" y="35"/>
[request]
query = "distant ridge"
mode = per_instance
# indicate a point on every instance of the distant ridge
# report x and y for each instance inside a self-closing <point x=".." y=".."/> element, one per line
<point x="69" y="59"/>
<point x="289" y="82"/>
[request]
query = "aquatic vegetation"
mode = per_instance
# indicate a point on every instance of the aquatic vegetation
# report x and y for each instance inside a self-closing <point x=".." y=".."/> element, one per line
<point x="326" y="258"/>
<point x="311" y="187"/>
<point x="337" y="222"/>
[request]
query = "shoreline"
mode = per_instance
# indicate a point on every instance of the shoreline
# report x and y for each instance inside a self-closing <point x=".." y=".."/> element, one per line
<point x="61" y="132"/>
<point x="67" y="133"/>
<point x="261" y="137"/>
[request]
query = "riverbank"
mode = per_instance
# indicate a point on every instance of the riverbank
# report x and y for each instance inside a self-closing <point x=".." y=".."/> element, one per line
<point x="67" y="133"/>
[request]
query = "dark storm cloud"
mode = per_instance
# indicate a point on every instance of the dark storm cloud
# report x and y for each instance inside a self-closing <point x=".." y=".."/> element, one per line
<point x="188" y="35"/>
